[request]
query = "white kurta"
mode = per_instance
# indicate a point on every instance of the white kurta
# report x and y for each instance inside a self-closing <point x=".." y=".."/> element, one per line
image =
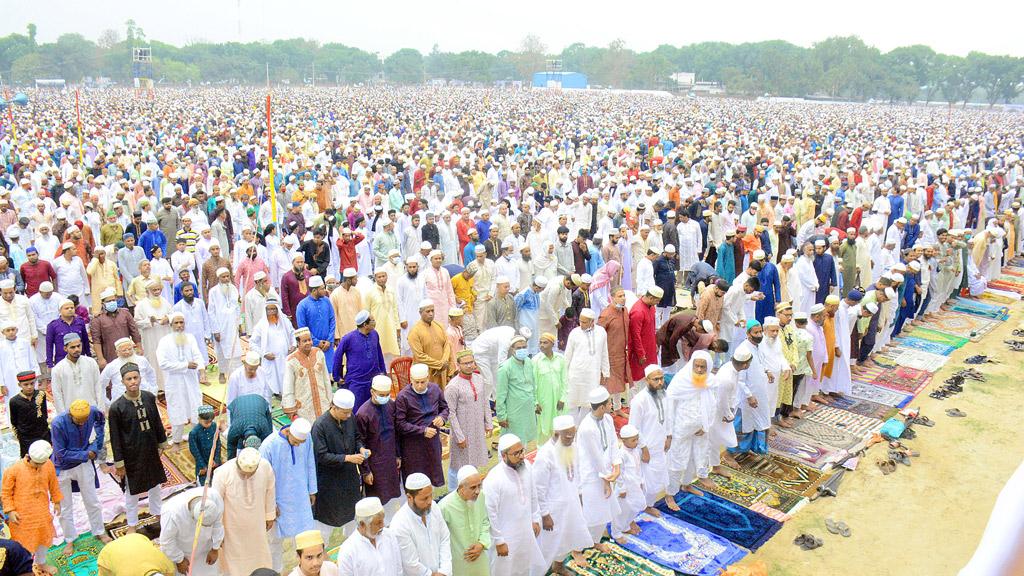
<point x="225" y="315"/>
<point x="803" y="284"/>
<point x="383" y="557"/>
<point x="731" y="325"/>
<point x="178" y="530"/>
<point x="558" y="489"/>
<point x="76" y="381"/>
<point x="273" y="339"/>
<point x="723" y="433"/>
<point x="410" y="293"/>
<point x="586" y="358"/>
<point x="16" y="356"/>
<point x="197" y="323"/>
<point x="598" y="454"/>
<point x="841" y="380"/>
<point x="629" y="490"/>
<point x="694" y="410"/>
<point x="653" y="417"/>
<point x="45" y="311"/>
<point x="754" y="382"/>
<point x="425" y="547"/>
<point x="775" y="363"/>
<point x="241" y="385"/>
<point x="181" y="383"/>
<point x="154" y="323"/>
<point x="512" y="508"/>
<point x="256" y="307"/>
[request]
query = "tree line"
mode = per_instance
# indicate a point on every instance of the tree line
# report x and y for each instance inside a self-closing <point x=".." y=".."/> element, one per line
<point x="837" y="67"/>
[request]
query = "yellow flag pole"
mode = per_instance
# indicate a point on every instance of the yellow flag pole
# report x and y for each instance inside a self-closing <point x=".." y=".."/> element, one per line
<point x="270" y="165"/>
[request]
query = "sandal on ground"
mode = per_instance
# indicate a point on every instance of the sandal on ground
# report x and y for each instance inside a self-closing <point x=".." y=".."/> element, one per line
<point x="844" y="529"/>
<point x="831" y="525"/>
<point x="887" y="466"/>
<point x="956" y="413"/>
<point x="924" y="421"/>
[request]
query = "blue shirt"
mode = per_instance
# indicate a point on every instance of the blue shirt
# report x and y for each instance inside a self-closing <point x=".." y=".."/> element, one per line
<point x="151" y="238"/>
<point x="71" y="443"/>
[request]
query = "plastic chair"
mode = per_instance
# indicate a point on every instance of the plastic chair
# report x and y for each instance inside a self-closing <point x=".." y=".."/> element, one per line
<point x="399" y="373"/>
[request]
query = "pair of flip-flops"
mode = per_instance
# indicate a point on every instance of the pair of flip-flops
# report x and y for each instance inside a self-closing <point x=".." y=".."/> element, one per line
<point x="808" y="542"/>
<point x="839" y="528"/>
<point x="956" y="413"/>
<point x="887" y="466"/>
<point x="924" y="421"/>
<point x="899" y="457"/>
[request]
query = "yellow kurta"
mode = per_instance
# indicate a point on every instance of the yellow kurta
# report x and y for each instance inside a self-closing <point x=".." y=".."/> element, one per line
<point x="463" y="290"/>
<point x="346" y="304"/>
<point x="133" y="554"/>
<point x="383" y="306"/>
<point x="28" y="491"/>
<point x="829" y="328"/>
<point x="101" y="277"/>
<point x="429" y="344"/>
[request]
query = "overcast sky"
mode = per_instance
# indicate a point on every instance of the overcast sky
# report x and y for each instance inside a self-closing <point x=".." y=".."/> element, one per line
<point x="990" y="26"/>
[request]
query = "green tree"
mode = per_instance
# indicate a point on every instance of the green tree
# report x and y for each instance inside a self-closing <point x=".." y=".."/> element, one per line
<point x="31" y="29"/>
<point x="404" y="67"/>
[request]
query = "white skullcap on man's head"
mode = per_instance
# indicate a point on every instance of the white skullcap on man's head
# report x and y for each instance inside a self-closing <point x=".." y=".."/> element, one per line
<point x="417" y="481"/>
<point x="344" y="399"/>
<point x="300" y="428"/>
<point x="466" y="472"/>
<point x="563" y="422"/>
<point x="419" y="371"/>
<point x="507" y="441"/>
<point x="381" y="383"/>
<point x="651" y="369"/>
<point x="368" y="507"/>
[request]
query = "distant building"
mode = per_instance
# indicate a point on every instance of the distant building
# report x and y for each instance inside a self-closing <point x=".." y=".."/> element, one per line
<point x="557" y="79"/>
<point x="684" y="80"/>
<point x="49" y="83"/>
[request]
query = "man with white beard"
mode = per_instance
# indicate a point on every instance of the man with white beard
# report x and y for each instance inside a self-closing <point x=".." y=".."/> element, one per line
<point x="179" y="358"/>
<point x="775" y="363"/>
<point x="599" y="463"/>
<point x="693" y="401"/>
<point x="151" y="316"/>
<point x="556" y="475"/>
<point x="514" y="512"/>
<point x="197" y="322"/>
<point x="110" y="377"/>
<point x="803" y="285"/>
<point x="225" y="315"/>
<point x="410" y="291"/>
<point x="651" y="412"/>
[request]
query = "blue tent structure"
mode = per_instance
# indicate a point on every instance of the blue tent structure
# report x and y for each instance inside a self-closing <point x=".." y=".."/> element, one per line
<point x="566" y="80"/>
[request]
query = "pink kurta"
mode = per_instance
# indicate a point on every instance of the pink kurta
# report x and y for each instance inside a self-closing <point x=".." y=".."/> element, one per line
<point x="439" y="290"/>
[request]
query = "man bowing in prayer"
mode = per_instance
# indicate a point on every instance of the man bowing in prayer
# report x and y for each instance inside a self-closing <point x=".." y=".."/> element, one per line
<point x="514" y="512"/>
<point x="468" y="526"/>
<point x="291" y="458"/>
<point x="359" y="358"/>
<point x="421" y="531"/>
<point x="376" y="431"/>
<point x="246" y="485"/>
<point x="599" y="464"/>
<point x="183" y="514"/>
<point x="338" y="457"/>
<point x="307" y="383"/>
<point x="420" y="412"/>
<point x="429" y="343"/>
<point x="78" y="441"/>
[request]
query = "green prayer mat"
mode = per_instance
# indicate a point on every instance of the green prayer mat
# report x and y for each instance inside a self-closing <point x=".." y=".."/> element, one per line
<point x="81" y="562"/>
<point x="616" y="562"/>
<point x="940" y="337"/>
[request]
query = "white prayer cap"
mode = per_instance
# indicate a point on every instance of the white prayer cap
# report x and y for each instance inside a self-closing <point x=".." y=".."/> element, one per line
<point x="586" y="279"/>
<point x="914" y="265"/>
<point x="122" y="341"/>
<point x="787" y="257"/>
<point x="817" y="309"/>
<point x="507" y="441"/>
<point x="771" y="321"/>
<point x="819" y="243"/>
<point x="252" y="358"/>
<point x="361" y="317"/>
<point x="381" y="383"/>
<point x="300" y="428"/>
<point x="368" y="507"/>
<point x="588" y="313"/>
<point x="393" y="251"/>
<point x="108" y="293"/>
<point x="759" y="255"/>
<point x="598" y="395"/>
<point x="153" y="283"/>
<point x="670" y="249"/>
<point x="501" y="280"/>
<point x="349" y="273"/>
<point x="671" y="214"/>
<point x="466" y="472"/>
<point x="899" y="267"/>
<point x="426" y="303"/>
<point x="425" y="245"/>
<point x="417" y="481"/>
<point x="897" y="277"/>
<point x="412" y="260"/>
<point x="651" y="369"/>
<point x="656" y="291"/>
<point x="344" y="399"/>
<point x="211" y="510"/>
<point x="175" y="315"/>
<point x="480" y="249"/>
<point x="248" y="459"/>
<point x="540" y="281"/>
<point x="63" y="247"/>
<point x="628" y="431"/>
<point x="222" y="270"/>
<point x="507" y="243"/>
<point x="419" y="371"/>
<point x="742" y="354"/>
<point x="798" y="315"/>
<point x="901" y="220"/>
<point x="261" y="275"/>
<point x="563" y="422"/>
<point x="890" y="293"/>
<point x="516" y="339"/>
<point x="7" y="283"/>
<point x="40" y="451"/>
<point x="316" y="282"/>
<point x="46" y="287"/>
<point x="871" y="307"/>
<point x="708" y="326"/>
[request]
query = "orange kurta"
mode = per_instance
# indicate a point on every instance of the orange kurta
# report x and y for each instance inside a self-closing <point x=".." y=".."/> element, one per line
<point x="829" y="328"/>
<point x="28" y="491"/>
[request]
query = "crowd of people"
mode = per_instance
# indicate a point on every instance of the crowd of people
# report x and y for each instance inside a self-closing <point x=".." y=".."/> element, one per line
<point x="625" y="291"/>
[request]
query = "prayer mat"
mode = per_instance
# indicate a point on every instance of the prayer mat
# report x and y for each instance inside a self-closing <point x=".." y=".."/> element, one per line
<point x="81" y="562"/>
<point x="825" y="434"/>
<point x="745" y="489"/>
<point x="616" y="562"/>
<point x="1001" y="296"/>
<point x="862" y="407"/>
<point x="719" y="516"/>
<point x="214" y="394"/>
<point x="861" y="426"/>
<point x="279" y="418"/>
<point x="803" y="450"/>
<point x="184" y="463"/>
<point x="924" y="345"/>
<point x="174" y="476"/>
<point x="1001" y="284"/>
<point x="788" y="474"/>
<point x="940" y="337"/>
<point x="918" y="359"/>
<point x="903" y="379"/>
<point x="682" y="547"/>
<point x="866" y="391"/>
<point x="120" y="528"/>
<point x="979" y="308"/>
<point x="868" y="372"/>
<point x="770" y="512"/>
<point x="967" y="326"/>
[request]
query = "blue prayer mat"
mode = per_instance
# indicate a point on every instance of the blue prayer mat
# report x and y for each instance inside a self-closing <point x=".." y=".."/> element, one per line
<point x="717" y="515"/>
<point x="681" y="546"/>
<point x="925" y="345"/>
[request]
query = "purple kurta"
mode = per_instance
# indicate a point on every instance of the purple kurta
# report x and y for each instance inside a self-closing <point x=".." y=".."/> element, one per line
<point x="413" y="414"/>
<point x="470" y="415"/>
<point x="375" y="431"/>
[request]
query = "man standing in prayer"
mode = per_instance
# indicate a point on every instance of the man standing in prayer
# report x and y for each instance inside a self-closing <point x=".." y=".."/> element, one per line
<point x="294" y="286"/>
<point x="373" y="549"/>
<point x="307" y="383"/>
<point x="382" y="304"/>
<point x="501" y="309"/>
<point x="73" y="458"/>
<point x="438" y="285"/>
<point x="210" y="267"/>
<point x="152" y="316"/>
<point x="599" y="463"/>
<point x="316" y="313"/>
<point x="615" y="321"/>
<point x="76" y="377"/>
<point x="110" y="377"/>
<point x="183" y="514"/>
<point x="429" y="344"/>
<point x="137" y="436"/>
<point x="651" y="412"/>
<point x="723" y="432"/>
<point x="469" y="417"/>
<point x="824" y="271"/>
<point x="290" y="456"/>
<point x="514" y="512"/>
<point x="586" y="356"/>
<point x="28" y="412"/>
<point x="255" y="301"/>
<point x="246" y="484"/>
<point x="197" y="323"/>
<point x="550" y="374"/>
<point x="376" y="431"/>
<point x="754" y="418"/>
<point x="643" y="342"/>
<point x="556" y="475"/>
<point x="347" y="302"/>
<point x="411" y="293"/>
<point x="774" y="360"/>
<point x="420" y="412"/>
<point x="693" y="406"/>
<point x="421" y="531"/>
<point x="66" y="321"/>
<point x="338" y="455"/>
<point x="361" y="357"/>
<point x="272" y="339"/>
<point x="179" y="359"/>
<point x="515" y="403"/>
<point x="225" y="317"/>
<point x="469" y="528"/>
<point x="456" y="336"/>
<point x="29" y="486"/>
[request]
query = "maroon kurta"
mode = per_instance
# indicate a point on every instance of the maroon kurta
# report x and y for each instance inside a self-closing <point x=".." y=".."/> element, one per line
<point x="678" y="327"/>
<point x="376" y="431"/>
<point x="292" y="293"/>
<point x="413" y="414"/>
<point x="642" y="341"/>
<point x="616" y="323"/>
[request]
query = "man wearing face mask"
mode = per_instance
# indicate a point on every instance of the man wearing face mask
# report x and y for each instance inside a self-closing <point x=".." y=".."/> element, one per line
<point x="178" y="523"/>
<point x="377" y="432"/>
<point x="469" y="416"/>
<point x="754" y="418"/>
<point x="109" y="326"/>
<point x="516" y="395"/>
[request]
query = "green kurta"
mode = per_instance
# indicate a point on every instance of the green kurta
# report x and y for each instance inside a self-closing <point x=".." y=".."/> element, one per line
<point x="516" y="399"/>
<point x="550" y="376"/>
<point x="468" y="524"/>
<point x="848" y="252"/>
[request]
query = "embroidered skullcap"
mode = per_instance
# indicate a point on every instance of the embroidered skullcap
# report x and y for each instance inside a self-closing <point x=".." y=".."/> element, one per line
<point x="302" y="332"/>
<point x="46" y="287"/>
<point x="819" y="243"/>
<point x="222" y="271"/>
<point x="548" y="336"/>
<point x="361" y="317"/>
<point x="79" y="408"/>
<point x="817" y="309"/>
<point x="541" y="281"/>
<point x="381" y="383"/>
<point x="248" y="459"/>
<point x="800" y="316"/>
<point x="656" y="291"/>
<point x="71" y="337"/>
<point x="122" y="341"/>
<point x="129" y="367"/>
<point x="742" y="354"/>
<point x="479" y="249"/>
<point x="252" y="441"/>
<point x="783" y="306"/>
<point x="206" y="412"/>
<point x="417" y="481"/>
<point x="251" y="358"/>
<point x="771" y="321"/>
<point x="7" y="283"/>
<point x="759" y="255"/>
